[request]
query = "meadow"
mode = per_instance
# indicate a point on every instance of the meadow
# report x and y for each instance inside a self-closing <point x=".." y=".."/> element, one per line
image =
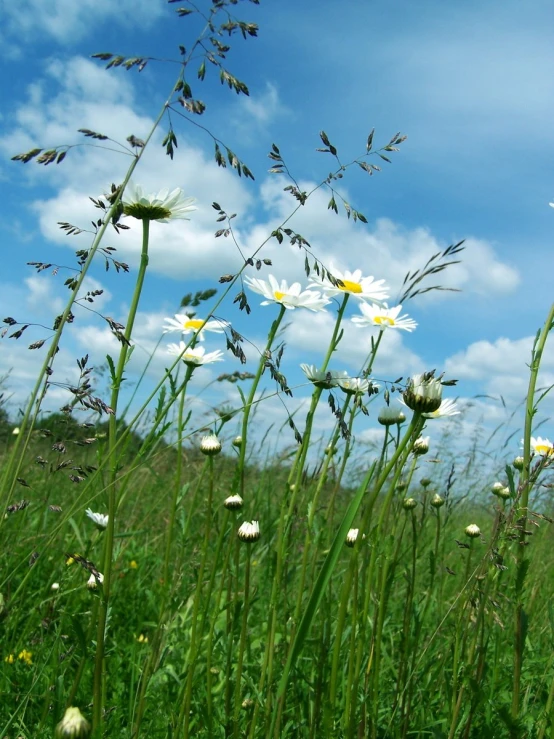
<point x="165" y="575"/>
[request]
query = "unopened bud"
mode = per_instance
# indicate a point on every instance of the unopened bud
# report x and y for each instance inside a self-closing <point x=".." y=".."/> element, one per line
<point x="437" y="501"/>
<point x="210" y="445"/>
<point x="473" y="531"/>
<point x="409" y="504"/>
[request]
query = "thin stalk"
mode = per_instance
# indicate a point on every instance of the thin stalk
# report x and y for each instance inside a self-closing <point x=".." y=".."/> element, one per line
<point x="242" y="644"/>
<point x="99" y="669"/>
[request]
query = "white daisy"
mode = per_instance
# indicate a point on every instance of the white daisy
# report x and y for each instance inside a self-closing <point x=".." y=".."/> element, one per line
<point x="99" y="519"/>
<point x="423" y="393"/>
<point x="162" y="206"/>
<point x="323" y="379"/>
<point x="290" y="297"/>
<point x="354" y="385"/>
<point x="94" y="581"/>
<point x="249" y="531"/>
<point x="187" y="325"/>
<point x="353" y="283"/>
<point x="448" y="407"/>
<point x="542" y="447"/>
<point x="194" y="356"/>
<point x="383" y="317"/>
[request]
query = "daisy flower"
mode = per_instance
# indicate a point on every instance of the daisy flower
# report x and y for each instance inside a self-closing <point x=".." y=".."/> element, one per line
<point x="249" y="531"/>
<point x="354" y="385"/>
<point x="323" y="379"/>
<point x="353" y="283"/>
<point x="100" y="520"/>
<point x="290" y="297"/>
<point x="383" y="317"/>
<point x="448" y="407"/>
<point x="162" y="206"/>
<point x="187" y="325"/>
<point x="194" y="356"/>
<point x="423" y="393"/>
<point x="541" y="446"/>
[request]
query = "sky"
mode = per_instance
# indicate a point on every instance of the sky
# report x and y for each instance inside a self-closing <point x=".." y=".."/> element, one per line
<point x="470" y="84"/>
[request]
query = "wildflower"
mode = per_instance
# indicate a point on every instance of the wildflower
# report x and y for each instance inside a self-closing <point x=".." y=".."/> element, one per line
<point x="73" y="725"/>
<point x="55" y="586"/>
<point x="425" y="482"/>
<point x="25" y="656"/>
<point x="423" y="393"/>
<point x="383" y="317"/>
<point x="518" y="463"/>
<point x="409" y="504"/>
<point x="354" y="385"/>
<point x="352" y="283"/>
<point x="249" y="531"/>
<point x="331" y="450"/>
<point x="290" y="297"/>
<point x="473" y="531"/>
<point x="210" y="445"/>
<point x="10" y="659"/>
<point x="233" y="502"/>
<point x="496" y="487"/>
<point x="133" y="565"/>
<point x="191" y="325"/>
<point x="94" y="581"/>
<point x="504" y="493"/>
<point x="389" y="416"/>
<point x="194" y="356"/>
<point x="142" y="639"/>
<point x="447" y="407"/>
<point x="15" y="431"/>
<point x="352" y="537"/>
<point x="247" y="704"/>
<point x="100" y="520"/>
<point x="542" y="447"/>
<point x="421" y="445"/>
<point x="437" y="501"/>
<point x="401" y="485"/>
<point x="163" y="206"/>
<point x="324" y="379"/>
<point x="237" y="442"/>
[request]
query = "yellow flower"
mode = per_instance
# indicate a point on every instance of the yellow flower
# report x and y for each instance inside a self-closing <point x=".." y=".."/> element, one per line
<point x="10" y="659"/>
<point x="142" y="639"/>
<point x="25" y="656"/>
<point x="133" y="565"/>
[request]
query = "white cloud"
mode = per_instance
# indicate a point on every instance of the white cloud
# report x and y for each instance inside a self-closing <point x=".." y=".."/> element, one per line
<point x="68" y="21"/>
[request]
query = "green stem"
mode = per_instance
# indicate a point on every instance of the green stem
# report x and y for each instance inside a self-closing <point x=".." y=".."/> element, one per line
<point x="99" y="666"/>
<point x="242" y="644"/>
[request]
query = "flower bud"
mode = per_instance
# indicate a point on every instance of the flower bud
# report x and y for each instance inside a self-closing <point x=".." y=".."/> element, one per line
<point x="249" y="531"/>
<point x="247" y="704"/>
<point x="421" y="445"/>
<point x="389" y="416"/>
<point x="518" y="463"/>
<point x="496" y="487"/>
<point x="423" y="393"/>
<point x="94" y="581"/>
<point x="237" y="442"/>
<point x="55" y="586"/>
<point x="401" y="485"/>
<point x="73" y="725"/>
<point x="425" y="482"/>
<point x="409" y="504"/>
<point x="352" y="537"/>
<point x="210" y="445"/>
<point x="473" y="531"/>
<point x="437" y="501"/>
<point x="233" y="502"/>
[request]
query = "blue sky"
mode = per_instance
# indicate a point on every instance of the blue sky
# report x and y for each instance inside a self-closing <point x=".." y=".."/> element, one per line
<point x="469" y="83"/>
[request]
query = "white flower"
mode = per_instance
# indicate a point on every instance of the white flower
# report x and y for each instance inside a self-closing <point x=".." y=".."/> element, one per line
<point x="249" y="531"/>
<point x="290" y="297"/>
<point x="473" y="531"/>
<point x="447" y="407"/>
<point x="73" y="725"/>
<point x="210" y="445"/>
<point x="352" y="537"/>
<point x="233" y="502"/>
<point x="95" y="580"/>
<point x="352" y="282"/>
<point x="383" y="317"/>
<point x="99" y="519"/>
<point x="423" y="393"/>
<point x="541" y="446"/>
<point x="354" y="385"/>
<point x="194" y="357"/>
<point x="197" y="326"/>
<point x="55" y="586"/>
<point x="323" y="379"/>
<point x="162" y="206"/>
<point x="15" y="431"/>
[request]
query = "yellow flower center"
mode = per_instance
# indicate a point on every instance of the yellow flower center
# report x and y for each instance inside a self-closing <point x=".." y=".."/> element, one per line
<point x="278" y="296"/>
<point x="193" y="323"/>
<point x="384" y="321"/>
<point x="544" y="449"/>
<point x="350" y="287"/>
